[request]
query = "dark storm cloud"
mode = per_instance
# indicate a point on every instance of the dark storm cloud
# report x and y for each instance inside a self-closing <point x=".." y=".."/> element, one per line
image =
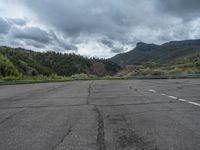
<point x="107" y="42"/>
<point x="67" y="46"/>
<point x="78" y="16"/>
<point x="117" y="49"/>
<point x="116" y="20"/>
<point x="38" y="38"/>
<point x="110" y="44"/>
<point x="112" y="25"/>
<point x="62" y="43"/>
<point x="4" y="26"/>
<point x="34" y="43"/>
<point x="186" y="9"/>
<point x="7" y="23"/>
<point x="17" y="21"/>
<point x="31" y="33"/>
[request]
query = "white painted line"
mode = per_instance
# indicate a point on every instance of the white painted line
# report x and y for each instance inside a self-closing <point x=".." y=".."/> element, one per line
<point x="183" y="100"/>
<point x="173" y="97"/>
<point x="197" y="104"/>
<point x="151" y="90"/>
<point x="193" y="103"/>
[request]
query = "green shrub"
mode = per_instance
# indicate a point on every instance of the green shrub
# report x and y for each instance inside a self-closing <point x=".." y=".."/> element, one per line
<point x="175" y="71"/>
<point x="54" y="76"/>
<point x="11" y="78"/>
<point x="148" y="71"/>
<point x="93" y="77"/>
<point x="7" y="68"/>
<point x="157" y="72"/>
<point x="81" y="76"/>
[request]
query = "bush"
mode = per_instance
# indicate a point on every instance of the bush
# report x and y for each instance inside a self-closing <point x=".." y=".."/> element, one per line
<point x="158" y="72"/>
<point x="37" y="78"/>
<point x="149" y="71"/>
<point x="11" y="78"/>
<point x="81" y="76"/>
<point x="93" y="77"/>
<point x="7" y="68"/>
<point x="54" y="76"/>
<point x="175" y="71"/>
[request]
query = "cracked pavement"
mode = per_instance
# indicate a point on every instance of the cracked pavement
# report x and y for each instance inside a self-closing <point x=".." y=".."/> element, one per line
<point x="100" y="115"/>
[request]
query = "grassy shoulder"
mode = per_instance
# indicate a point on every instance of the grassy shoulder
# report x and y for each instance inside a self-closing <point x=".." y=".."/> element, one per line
<point x="182" y="66"/>
<point x="54" y="78"/>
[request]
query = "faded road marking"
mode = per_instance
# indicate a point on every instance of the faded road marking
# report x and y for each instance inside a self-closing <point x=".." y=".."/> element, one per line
<point x="197" y="104"/>
<point x="151" y="90"/>
<point x="176" y="98"/>
<point x="173" y="97"/>
<point x="183" y="100"/>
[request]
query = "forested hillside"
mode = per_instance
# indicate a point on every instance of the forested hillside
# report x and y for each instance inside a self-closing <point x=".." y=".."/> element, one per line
<point x="182" y="57"/>
<point x="176" y="57"/>
<point x="29" y="63"/>
<point x="145" y="54"/>
<point x="189" y="64"/>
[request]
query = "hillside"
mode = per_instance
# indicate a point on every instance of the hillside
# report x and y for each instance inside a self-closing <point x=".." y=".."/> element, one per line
<point x="151" y="54"/>
<point x="14" y="61"/>
<point x="178" y="57"/>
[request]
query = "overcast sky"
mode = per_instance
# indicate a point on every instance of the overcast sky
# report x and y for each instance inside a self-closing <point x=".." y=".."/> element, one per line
<point x="100" y="28"/>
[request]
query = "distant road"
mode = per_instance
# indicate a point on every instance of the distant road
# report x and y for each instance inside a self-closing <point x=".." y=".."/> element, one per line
<point x="101" y="115"/>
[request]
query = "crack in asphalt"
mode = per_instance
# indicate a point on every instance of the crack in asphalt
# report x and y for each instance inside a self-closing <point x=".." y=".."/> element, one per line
<point x="44" y="106"/>
<point x="76" y="105"/>
<point x="63" y="138"/>
<point x="89" y="93"/>
<point x="11" y="116"/>
<point x="100" y="135"/>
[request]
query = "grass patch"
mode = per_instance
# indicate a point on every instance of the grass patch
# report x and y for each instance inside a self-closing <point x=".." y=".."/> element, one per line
<point x="54" y="78"/>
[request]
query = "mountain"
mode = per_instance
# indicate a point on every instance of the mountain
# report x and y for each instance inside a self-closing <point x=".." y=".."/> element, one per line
<point x="145" y="54"/>
<point x="15" y="61"/>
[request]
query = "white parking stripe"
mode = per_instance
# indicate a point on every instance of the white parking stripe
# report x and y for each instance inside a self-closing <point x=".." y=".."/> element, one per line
<point x="151" y="90"/>
<point x="197" y="104"/>
<point x="173" y="97"/>
<point x="183" y="100"/>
